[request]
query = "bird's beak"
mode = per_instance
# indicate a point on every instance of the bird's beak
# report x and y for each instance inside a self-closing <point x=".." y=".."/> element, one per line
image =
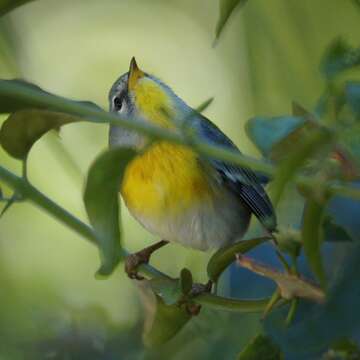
<point x="134" y="74"/>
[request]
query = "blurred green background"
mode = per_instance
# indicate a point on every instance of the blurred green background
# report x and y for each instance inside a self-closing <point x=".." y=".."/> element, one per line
<point x="51" y="306"/>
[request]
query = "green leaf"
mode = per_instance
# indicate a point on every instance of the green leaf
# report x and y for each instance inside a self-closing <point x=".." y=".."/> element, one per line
<point x="169" y="290"/>
<point x="8" y="5"/>
<point x="226" y="255"/>
<point x="227" y="7"/>
<point x="266" y="132"/>
<point x="312" y="237"/>
<point x="340" y="56"/>
<point x="23" y="128"/>
<point x="261" y="347"/>
<point x="101" y="198"/>
<point x="30" y="119"/>
<point x="334" y="232"/>
<point x="19" y="95"/>
<point x="168" y="321"/>
<point x="309" y="147"/>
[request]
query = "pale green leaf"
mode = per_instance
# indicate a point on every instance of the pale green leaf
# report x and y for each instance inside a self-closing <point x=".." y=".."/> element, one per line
<point x="101" y="198"/>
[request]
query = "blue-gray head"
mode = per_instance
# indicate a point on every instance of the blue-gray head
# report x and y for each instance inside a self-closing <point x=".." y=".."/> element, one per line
<point x="140" y="96"/>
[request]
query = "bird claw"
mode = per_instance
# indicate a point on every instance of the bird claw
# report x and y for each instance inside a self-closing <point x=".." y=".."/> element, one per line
<point x="133" y="261"/>
<point x="198" y="289"/>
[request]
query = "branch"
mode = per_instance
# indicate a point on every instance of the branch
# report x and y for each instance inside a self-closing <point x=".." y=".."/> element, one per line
<point x="29" y="192"/>
<point x="98" y="116"/>
<point x="290" y="285"/>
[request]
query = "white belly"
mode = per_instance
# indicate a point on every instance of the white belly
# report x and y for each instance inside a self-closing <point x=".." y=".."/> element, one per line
<point x="202" y="227"/>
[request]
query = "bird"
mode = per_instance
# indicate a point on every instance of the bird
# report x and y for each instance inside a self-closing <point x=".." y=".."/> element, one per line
<point x="173" y="191"/>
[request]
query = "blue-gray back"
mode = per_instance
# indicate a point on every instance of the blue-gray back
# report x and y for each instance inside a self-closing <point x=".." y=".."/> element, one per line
<point x="244" y="182"/>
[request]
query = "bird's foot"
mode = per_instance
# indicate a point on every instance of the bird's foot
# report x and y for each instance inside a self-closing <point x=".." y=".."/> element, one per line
<point x="133" y="261"/>
<point x="198" y="289"/>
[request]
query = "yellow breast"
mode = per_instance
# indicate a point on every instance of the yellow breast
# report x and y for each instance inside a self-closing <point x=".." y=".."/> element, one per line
<point x="165" y="180"/>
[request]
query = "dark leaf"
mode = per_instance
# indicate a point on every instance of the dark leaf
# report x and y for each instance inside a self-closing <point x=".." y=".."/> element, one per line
<point x="334" y="232"/>
<point x="23" y="128"/>
<point x="8" y="5"/>
<point x="340" y="56"/>
<point x="226" y="255"/>
<point x="316" y="327"/>
<point x="357" y="2"/>
<point x="168" y="320"/>
<point x="266" y="132"/>
<point x="261" y="347"/>
<point x="312" y="144"/>
<point x="101" y="198"/>
<point x="227" y="7"/>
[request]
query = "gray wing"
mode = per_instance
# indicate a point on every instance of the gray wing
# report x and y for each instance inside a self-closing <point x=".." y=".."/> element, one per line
<point x="244" y="182"/>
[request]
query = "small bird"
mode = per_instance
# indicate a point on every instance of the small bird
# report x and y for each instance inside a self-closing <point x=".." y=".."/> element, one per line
<point x="174" y="192"/>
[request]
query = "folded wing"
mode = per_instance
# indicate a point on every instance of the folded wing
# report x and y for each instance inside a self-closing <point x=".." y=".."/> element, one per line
<point x="243" y="182"/>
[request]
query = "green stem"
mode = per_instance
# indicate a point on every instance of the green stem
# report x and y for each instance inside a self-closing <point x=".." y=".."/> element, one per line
<point x="275" y="298"/>
<point x="292" y="311"/>
<point x="221" y="303"/>
<point x="29" y="192"/>
<point x="57" y="103"/>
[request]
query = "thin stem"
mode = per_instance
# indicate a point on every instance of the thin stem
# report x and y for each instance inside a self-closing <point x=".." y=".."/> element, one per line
<point x="218" y="302"/>
<point x="292" y="311"/>
<point x="29" y="192"/>
<point x="283" y="261"/>
<point x="275" y="298"/>
<point x="52" y="102"/>
<point x="25" y="168"/>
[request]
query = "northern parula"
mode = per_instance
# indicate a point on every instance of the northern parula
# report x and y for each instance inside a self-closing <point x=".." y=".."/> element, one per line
<point x="174" y="192"/>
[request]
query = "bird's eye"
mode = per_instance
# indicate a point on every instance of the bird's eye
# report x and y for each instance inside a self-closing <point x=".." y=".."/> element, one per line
<point x="118" y="101"/>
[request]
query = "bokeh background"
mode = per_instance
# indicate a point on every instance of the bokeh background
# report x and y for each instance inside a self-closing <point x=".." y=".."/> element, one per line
<point x="51" y="306"/>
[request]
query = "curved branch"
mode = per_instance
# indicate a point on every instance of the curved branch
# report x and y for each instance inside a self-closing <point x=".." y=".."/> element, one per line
<point x="98" y="116"/>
